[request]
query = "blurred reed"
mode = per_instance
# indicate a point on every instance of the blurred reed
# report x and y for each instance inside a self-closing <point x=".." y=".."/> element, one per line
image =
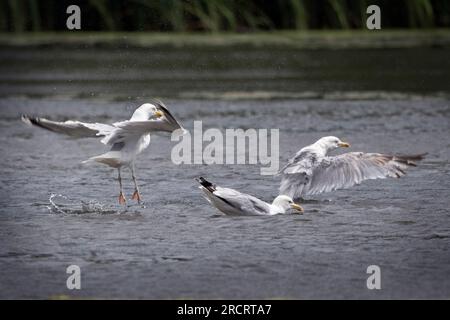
<point x="220" y="15"/>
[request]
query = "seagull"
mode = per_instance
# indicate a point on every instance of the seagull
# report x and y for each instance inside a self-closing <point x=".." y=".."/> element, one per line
<point x="126" y="138"/>
<point x="233" y="202"/>
<point x="311" y="171"/>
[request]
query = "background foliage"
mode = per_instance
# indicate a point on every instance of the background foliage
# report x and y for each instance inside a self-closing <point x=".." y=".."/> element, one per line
<point x="220" y="15"/>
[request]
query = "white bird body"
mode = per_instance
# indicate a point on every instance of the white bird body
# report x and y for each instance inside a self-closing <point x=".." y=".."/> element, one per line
<point x="311" y="171"/>
<point x="125" y="156"/>
<point x="233" y="202"/>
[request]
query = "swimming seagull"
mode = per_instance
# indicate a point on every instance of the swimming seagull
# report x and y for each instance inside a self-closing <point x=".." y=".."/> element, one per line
<point x="233" y="202"/>
<point x="126" y="138"/>
<point x="311" y="171"/>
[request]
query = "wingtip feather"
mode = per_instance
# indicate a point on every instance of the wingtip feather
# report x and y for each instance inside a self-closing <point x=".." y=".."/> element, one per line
<point x="206" y="184"/>
<point x="26" y="119"/>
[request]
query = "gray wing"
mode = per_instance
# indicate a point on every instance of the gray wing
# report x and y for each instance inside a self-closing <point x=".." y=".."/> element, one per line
<point x="303" y="161"/>
<point x="74" y="129"/>
<point x="245" y="203"/>
<point x="125" y="130"/>
<point x="297" y="173"/>
<point x="349" y="169"/>
<point x="231" y="201"/>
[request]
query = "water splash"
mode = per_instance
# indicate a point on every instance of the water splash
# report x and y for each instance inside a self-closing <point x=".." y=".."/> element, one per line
<point x="62" y="204"/>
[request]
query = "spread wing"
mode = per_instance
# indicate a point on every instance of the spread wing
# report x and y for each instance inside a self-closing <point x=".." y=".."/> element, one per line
<point x="74" y="129"/>
<point x="116" y="133"/>
<point x="344" y="171"/>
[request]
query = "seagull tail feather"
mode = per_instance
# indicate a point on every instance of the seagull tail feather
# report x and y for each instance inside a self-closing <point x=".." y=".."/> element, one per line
<point x="206" y="184"/>
<point x="108" y="158"/>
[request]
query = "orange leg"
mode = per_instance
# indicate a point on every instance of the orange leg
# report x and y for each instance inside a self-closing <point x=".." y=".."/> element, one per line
<point x="122" y="199"/>
<point x="136" y="194"/>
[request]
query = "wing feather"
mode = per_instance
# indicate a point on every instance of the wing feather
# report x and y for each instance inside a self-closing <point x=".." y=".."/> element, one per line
<point x="124" y="130"/>
<point x="74" y="129"/>
<point x="343" y="171"/>
<point x="231" y="201"/>
<point x="243" y="201"/>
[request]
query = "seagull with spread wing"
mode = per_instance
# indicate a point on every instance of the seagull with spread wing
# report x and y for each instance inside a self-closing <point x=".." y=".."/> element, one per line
<point x="312" y="171"/>
<point x="233" y="202"/>
<point x="127" y="138"/>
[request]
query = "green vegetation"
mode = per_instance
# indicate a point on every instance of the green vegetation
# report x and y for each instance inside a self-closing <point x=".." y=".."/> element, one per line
<point x="220" y="15"/>
<point x="313" y="39"/>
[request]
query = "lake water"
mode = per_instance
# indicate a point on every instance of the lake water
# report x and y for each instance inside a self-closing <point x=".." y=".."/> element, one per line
<point x="55" y="212"/>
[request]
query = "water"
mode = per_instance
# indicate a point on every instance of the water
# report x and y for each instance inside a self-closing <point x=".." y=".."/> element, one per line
<point x="55" y="212"/>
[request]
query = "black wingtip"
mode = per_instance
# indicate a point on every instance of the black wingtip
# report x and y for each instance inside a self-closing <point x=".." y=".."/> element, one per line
<point x="33" y="121"/>
<point x="410" y="159"/>
<point x="29" y="120"/>
<point x="198" y="179"/>
<point x="160" y="105"/>
<point x="206" y="184"/>
<point x="25" y="118"/>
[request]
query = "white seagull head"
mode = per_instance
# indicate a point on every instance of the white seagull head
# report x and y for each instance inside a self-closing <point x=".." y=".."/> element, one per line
<point x="285" y="203"/>
<point x="331" y="143"/>
<point x="147" y="111"/>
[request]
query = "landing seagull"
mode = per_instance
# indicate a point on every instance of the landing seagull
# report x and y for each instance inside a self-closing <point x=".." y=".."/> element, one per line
<point x="233" y="202"/>
<point x="126" y="138"/>
<point x="311" y="171"/>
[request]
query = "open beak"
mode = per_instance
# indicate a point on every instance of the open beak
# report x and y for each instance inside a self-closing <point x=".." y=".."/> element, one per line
<point x="344" y="144"/>
<point x="158" y="114"/>
<point x="297" y="207"/>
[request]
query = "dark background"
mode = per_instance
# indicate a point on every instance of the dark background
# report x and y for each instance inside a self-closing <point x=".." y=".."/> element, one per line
<point x="219" y="15"/>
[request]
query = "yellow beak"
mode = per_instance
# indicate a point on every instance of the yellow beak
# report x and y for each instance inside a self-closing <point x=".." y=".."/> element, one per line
<point x="344" y="144"/>
<point x="297" y="207"/>
<point x="158" y="113"/>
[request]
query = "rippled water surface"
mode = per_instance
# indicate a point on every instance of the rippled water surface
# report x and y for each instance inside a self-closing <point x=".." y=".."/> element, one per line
<point x="54" y="211"/>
